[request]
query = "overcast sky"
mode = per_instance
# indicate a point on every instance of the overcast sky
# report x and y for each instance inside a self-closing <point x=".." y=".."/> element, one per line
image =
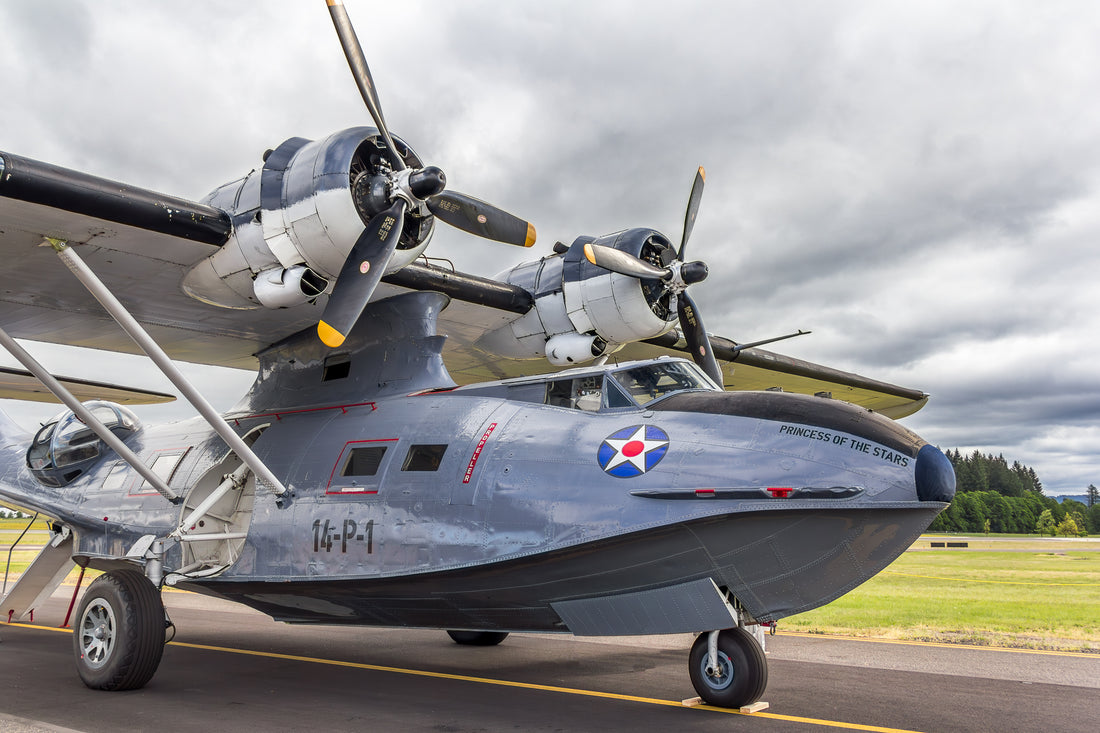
<point x="918" y="183"/>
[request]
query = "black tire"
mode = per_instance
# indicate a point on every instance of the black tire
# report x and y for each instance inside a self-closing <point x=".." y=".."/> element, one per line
<point x="118" y="637"/>
<point x="478" y="638"/>
<point x="744" y="669"/>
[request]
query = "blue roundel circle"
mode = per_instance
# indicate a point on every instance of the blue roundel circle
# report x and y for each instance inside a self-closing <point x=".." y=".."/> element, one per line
<point x="632" y="451"/>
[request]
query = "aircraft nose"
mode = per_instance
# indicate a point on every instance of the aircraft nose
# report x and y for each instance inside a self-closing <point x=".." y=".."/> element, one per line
<point x="934" y="475"/>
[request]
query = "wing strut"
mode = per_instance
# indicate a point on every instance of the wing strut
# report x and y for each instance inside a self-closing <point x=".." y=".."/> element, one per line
<point x="129" y="324"/>
<point x="86" y="415"/>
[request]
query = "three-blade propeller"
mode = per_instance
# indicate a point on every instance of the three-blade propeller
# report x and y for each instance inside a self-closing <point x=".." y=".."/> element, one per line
<point x="676" y="276"/>
<point x="365" y="264"/>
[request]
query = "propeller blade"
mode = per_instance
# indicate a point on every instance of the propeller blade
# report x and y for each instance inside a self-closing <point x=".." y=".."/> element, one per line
<point x="482" y="219"/>
<point x="623" y="263"/>
<point x="692" y="210"/>
<point x="361" y="72"/>
<point x="360" y="274"/>
<point x="697" y="340"/>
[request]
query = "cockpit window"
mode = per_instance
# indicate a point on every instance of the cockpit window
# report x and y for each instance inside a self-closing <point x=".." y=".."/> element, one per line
<point x="656" y="380"/>
<point x="582" y="393"/>
<point x="63" y="447"/>
<point x="615" y="396"/>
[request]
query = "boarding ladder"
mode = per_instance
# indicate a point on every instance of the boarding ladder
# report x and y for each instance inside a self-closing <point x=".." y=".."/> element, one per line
<point x="40" y="579"/>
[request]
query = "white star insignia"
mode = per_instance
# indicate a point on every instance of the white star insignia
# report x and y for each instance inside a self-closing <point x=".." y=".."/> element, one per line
<point x="632" y="450"/>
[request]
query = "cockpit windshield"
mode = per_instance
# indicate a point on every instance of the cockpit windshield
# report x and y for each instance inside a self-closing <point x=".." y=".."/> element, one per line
<point x="601" y="388"/>
<point x="655" y="380"/>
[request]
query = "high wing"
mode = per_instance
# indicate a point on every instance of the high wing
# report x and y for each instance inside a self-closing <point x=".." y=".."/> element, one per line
<point x="19" y="384"/>
<point x="142" y="244"/>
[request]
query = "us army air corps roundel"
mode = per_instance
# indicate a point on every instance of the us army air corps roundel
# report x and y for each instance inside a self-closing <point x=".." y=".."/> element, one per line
<point x="633" y="451"/>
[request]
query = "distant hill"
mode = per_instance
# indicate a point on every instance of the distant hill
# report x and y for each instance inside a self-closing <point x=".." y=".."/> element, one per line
<point x="1083" y="498"/>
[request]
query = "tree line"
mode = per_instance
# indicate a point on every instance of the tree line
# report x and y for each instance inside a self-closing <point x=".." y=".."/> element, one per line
<point x="993" y="496"/>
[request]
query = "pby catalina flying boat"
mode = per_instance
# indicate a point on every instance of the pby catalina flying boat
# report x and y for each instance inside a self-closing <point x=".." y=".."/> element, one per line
<point x="394" y="463"/>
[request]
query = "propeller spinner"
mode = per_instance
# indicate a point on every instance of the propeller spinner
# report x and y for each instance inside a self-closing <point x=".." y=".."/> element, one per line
<point x="676" y="276"/>
<point x="405" y="188"/>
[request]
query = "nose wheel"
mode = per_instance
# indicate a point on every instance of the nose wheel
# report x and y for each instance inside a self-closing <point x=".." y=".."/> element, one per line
<point x="738" y="673"/>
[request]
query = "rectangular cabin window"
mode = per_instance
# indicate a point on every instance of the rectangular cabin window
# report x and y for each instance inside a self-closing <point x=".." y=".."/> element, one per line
<point x="424" y="458"/>
<point x="364" y="461"/>
<point x="117" y="477"/>
<point x="360" y="466"/>
<point x="164" y="465"/>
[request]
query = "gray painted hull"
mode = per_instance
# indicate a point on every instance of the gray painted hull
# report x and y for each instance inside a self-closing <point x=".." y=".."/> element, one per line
<point x="777" y="563"/>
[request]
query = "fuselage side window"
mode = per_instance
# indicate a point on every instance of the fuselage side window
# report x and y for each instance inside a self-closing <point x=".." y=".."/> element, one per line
<point x="424" y="458"/>
<point x="364" y="461"/>
<point x="164" y="466"/>
<point x="117" y="477"/>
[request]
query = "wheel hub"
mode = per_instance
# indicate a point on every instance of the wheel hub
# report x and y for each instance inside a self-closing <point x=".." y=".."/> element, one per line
<point x="97" y="631"/>
<point x="720" y="676"/>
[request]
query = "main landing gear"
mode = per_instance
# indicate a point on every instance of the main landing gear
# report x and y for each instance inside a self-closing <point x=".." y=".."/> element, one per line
<point x="728" y="668"/>
<point x="118" y="637"/>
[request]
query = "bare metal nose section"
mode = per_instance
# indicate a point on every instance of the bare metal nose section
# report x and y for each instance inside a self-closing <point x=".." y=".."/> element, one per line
<point x="934" y="475"/>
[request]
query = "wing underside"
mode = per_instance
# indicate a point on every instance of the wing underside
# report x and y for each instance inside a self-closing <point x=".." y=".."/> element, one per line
<point x="141" y="243"/>
<point x="18" y="384"/>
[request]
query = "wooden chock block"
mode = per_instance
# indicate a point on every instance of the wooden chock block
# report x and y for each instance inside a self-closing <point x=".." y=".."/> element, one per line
<point x="692" y="702"/>
<point x="756" y="707"/>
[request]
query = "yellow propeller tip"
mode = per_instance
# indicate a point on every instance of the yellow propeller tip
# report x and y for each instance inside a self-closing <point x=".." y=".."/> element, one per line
<point x="702" y="173"/>
<point x="589" y="254"/>
<point x="329" y="335"/>
<point x="530" y="235"/>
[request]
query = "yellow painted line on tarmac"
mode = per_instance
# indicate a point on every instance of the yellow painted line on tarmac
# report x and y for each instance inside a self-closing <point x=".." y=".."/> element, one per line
<point x="510" y="683"/>
<point x="36" y="626"/>
<point x="940" y="644"/>
<point x="542" y="688"/>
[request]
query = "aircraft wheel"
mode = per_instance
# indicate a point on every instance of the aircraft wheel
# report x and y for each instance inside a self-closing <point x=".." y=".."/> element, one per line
<point x="118" y="637"/>
<point x="742" y="672"/>
<point x="478" y="638"/>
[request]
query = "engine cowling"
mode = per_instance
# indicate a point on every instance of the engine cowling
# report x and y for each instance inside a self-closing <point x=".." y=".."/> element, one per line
<point x="583" y="311"/>
<point x="296" y="219"/>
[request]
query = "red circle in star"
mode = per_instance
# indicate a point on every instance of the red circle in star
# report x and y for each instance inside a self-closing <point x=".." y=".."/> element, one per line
<point x="633" y="448"/>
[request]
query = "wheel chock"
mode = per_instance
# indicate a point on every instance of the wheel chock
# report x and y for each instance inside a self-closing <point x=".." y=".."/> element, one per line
<point x="756" y="707"/>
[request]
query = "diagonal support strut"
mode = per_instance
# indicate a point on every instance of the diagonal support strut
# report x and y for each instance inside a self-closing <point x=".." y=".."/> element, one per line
<point x="146" y="343"/>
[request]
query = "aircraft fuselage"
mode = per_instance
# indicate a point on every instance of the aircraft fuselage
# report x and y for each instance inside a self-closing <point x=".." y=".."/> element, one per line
<point x="520" y="504"/>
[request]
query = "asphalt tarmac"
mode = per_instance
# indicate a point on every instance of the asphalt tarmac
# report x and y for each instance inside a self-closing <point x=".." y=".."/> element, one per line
<point x="230" y="668"/>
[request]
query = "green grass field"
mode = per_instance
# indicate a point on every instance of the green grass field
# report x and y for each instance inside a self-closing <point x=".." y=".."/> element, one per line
<point x="1026" y="592"/>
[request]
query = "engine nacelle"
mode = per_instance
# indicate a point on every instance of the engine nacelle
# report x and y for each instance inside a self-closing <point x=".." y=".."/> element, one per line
<point x="302" y="213"/>
<point x="582" y="311"/>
